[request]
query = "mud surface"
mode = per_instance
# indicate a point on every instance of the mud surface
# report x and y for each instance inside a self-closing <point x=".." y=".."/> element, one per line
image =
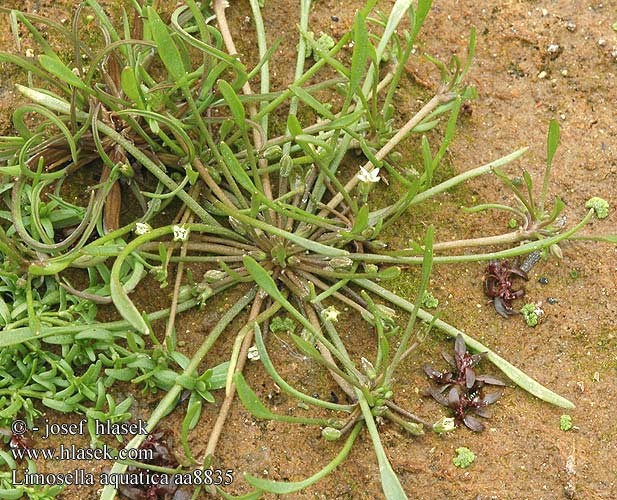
<point x="522" y="84"/>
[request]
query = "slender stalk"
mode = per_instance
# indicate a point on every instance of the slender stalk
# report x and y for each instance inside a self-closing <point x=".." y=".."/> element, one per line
<point x="451" y="259"/>
<point x="221" y="418"/>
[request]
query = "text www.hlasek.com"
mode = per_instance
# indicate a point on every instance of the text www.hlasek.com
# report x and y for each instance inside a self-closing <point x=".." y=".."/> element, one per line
<point x="73" y="452"/>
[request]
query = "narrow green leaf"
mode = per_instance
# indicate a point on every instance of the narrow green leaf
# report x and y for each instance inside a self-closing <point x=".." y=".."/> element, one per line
<point x="293" y="125"/>
<point x="130" y="86"/>
<point x="60" y="406"/>
<point x="236" y="169"/>
<point x="307" y="348"/>
<point x="219" y="374"/>
<point x="471" y="49"/>
<point x="361" y="222"/>
<point x="124" y="374"/>
<point x="299" y="240"/>
<point x="553" y="141"/>
<point x="360" y="53"/>
<point x="267" y="362"/>
<point x="166" y="47"/>
<point x="234" y="103"/>
<point x="427" y="157"/>
<point x="390" y="484"/>
<point x="425" y="126"/>
<point x="421" y="12"/>
<point x="62" y="72"/>
<point x="309" y="100"/>
<point x="250" y="400"/>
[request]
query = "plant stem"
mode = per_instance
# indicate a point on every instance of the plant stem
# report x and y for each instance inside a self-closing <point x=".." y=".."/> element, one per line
<point x="451" y="259"/>
<point x="217" y="429"/>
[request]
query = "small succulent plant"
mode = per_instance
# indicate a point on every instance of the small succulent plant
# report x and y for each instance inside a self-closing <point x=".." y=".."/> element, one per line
<point x="465" y="396"/>
<point x="498" y="285"/>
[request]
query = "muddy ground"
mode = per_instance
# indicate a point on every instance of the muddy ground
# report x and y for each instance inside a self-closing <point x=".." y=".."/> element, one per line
<point x="522" y="84"/>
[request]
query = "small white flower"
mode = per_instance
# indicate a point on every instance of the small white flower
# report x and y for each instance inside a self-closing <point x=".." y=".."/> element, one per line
<point x="368" y="175"/>
<point x="253" y="353"/>
<point x="330" y="314"/>
<point x="180" y="233"/>
<point x="29" y="53"/>
<point x="142" y="228"/>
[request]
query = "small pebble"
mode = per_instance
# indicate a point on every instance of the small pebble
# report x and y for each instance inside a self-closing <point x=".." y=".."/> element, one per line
<point x="334" y="19"/>
<point x="542" y="75"/>
<point x="601" y="42"/>
<point x="571" y="26"/>
<point x="544" y="12"/>
<point x="553" y="48"/>
<point x="552" y="300"/>
<point x="564" y="72"/>
<point x="543" y="280"/>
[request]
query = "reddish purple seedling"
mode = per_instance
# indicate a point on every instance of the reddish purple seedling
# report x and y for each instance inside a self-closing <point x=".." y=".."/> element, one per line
<point x="498" y="285"/>
<point x="465" y="395"/>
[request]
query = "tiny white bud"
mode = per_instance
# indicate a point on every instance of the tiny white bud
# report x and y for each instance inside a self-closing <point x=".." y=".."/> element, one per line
<point x="444" y="424"/>
<point x="180" y="233"/>
<point x="330" y="314"/>
<point x="142" y="228"/>
<point x="253" y="353"/>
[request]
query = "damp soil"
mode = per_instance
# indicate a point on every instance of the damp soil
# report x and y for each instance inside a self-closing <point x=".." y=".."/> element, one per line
<point x="522" y="84"/>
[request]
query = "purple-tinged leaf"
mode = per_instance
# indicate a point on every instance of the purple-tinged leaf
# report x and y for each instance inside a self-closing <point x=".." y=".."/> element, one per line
<point x="483" y="412"/>
<point x="182" y="495"/>
<point x="501" y="308"/>
<point x="488" y="379"/>
<point x="454" y="398"/>
<point x="449" y="359"/>
<point x="438" y="396"/>
<point x="470" y="377"/>
<point x="459" y="346"/>
<point x="492" y="397"/>
<point x="519" y="272"/>
<point x="473" y="423"/>
<point x="476" y="358"/>
<point x="431" y="372"/>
